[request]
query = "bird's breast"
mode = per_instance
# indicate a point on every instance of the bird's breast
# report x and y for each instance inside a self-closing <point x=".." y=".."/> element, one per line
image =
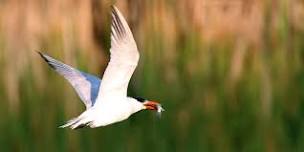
<point x="110" y="113"/>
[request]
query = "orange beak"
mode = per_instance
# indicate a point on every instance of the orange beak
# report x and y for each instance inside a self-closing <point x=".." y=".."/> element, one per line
<point x="151" y="105"/>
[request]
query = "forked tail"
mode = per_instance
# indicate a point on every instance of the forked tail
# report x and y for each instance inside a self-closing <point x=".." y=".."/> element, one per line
<point x="77" y="123"/>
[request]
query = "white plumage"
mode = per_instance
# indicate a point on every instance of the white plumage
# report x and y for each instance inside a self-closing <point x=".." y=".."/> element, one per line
<point x="106" y="100"/>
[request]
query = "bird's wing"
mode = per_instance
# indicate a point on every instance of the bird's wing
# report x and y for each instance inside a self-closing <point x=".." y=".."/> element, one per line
<point x="123" y="59"/>
<point x="86" y="85"/>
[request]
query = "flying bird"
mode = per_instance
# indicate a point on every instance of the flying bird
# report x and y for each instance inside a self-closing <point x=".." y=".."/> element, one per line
<point x="106" y="99"/>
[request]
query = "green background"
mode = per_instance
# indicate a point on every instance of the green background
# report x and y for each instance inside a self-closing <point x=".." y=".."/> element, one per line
<point x="229" y="74"/>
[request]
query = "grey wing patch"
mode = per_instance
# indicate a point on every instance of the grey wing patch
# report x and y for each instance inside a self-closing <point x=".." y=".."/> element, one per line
<point x="95" y="84"/>
<point x="86" y="85"/>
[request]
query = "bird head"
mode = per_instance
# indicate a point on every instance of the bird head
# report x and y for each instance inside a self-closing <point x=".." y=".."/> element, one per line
<point x="151" y="105"/>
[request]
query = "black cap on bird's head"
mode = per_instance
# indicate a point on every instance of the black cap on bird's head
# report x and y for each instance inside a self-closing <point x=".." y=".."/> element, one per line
<point x="140" y="99"/>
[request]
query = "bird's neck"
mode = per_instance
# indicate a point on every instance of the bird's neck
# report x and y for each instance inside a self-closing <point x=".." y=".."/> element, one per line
<point x="135" y="105"/>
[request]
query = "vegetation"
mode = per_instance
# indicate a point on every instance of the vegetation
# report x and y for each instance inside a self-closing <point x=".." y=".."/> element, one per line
<point x="229" y="74"/>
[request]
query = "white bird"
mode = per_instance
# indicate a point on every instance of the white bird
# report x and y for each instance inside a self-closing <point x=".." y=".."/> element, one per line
<point x="106" y="100"/>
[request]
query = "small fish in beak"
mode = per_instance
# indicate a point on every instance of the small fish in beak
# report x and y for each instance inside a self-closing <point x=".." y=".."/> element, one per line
<point x="160" y="109"/>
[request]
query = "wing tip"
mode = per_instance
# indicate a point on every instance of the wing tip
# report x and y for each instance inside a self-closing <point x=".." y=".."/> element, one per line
<point x="45" y="58"/>
<point x="114" y="9"/>
<point x="119" y="29"/>
<point x="40" y="53"/>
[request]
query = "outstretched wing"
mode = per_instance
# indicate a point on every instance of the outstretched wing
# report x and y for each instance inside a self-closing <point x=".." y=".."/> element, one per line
<point x="86" y="85"/>
<point x="124" y="58"/>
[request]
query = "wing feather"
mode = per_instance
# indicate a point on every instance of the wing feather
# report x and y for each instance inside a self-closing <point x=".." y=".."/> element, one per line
<point x="86" y="85"/>
<point x="123" y="59"/>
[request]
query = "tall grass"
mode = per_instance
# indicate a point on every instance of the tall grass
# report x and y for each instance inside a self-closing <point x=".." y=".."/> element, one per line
<point x="229" y="74"/>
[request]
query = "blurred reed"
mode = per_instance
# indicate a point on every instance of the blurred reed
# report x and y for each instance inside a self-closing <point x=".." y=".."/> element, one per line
<point x="229" y="73"/>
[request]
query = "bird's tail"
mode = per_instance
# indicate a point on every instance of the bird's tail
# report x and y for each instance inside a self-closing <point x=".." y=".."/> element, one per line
<point x="77" y="123"/>
<point x="70" y="123"/>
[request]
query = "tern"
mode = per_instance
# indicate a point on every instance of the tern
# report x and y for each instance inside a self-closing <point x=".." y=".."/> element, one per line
<point x="106" y="99"/>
